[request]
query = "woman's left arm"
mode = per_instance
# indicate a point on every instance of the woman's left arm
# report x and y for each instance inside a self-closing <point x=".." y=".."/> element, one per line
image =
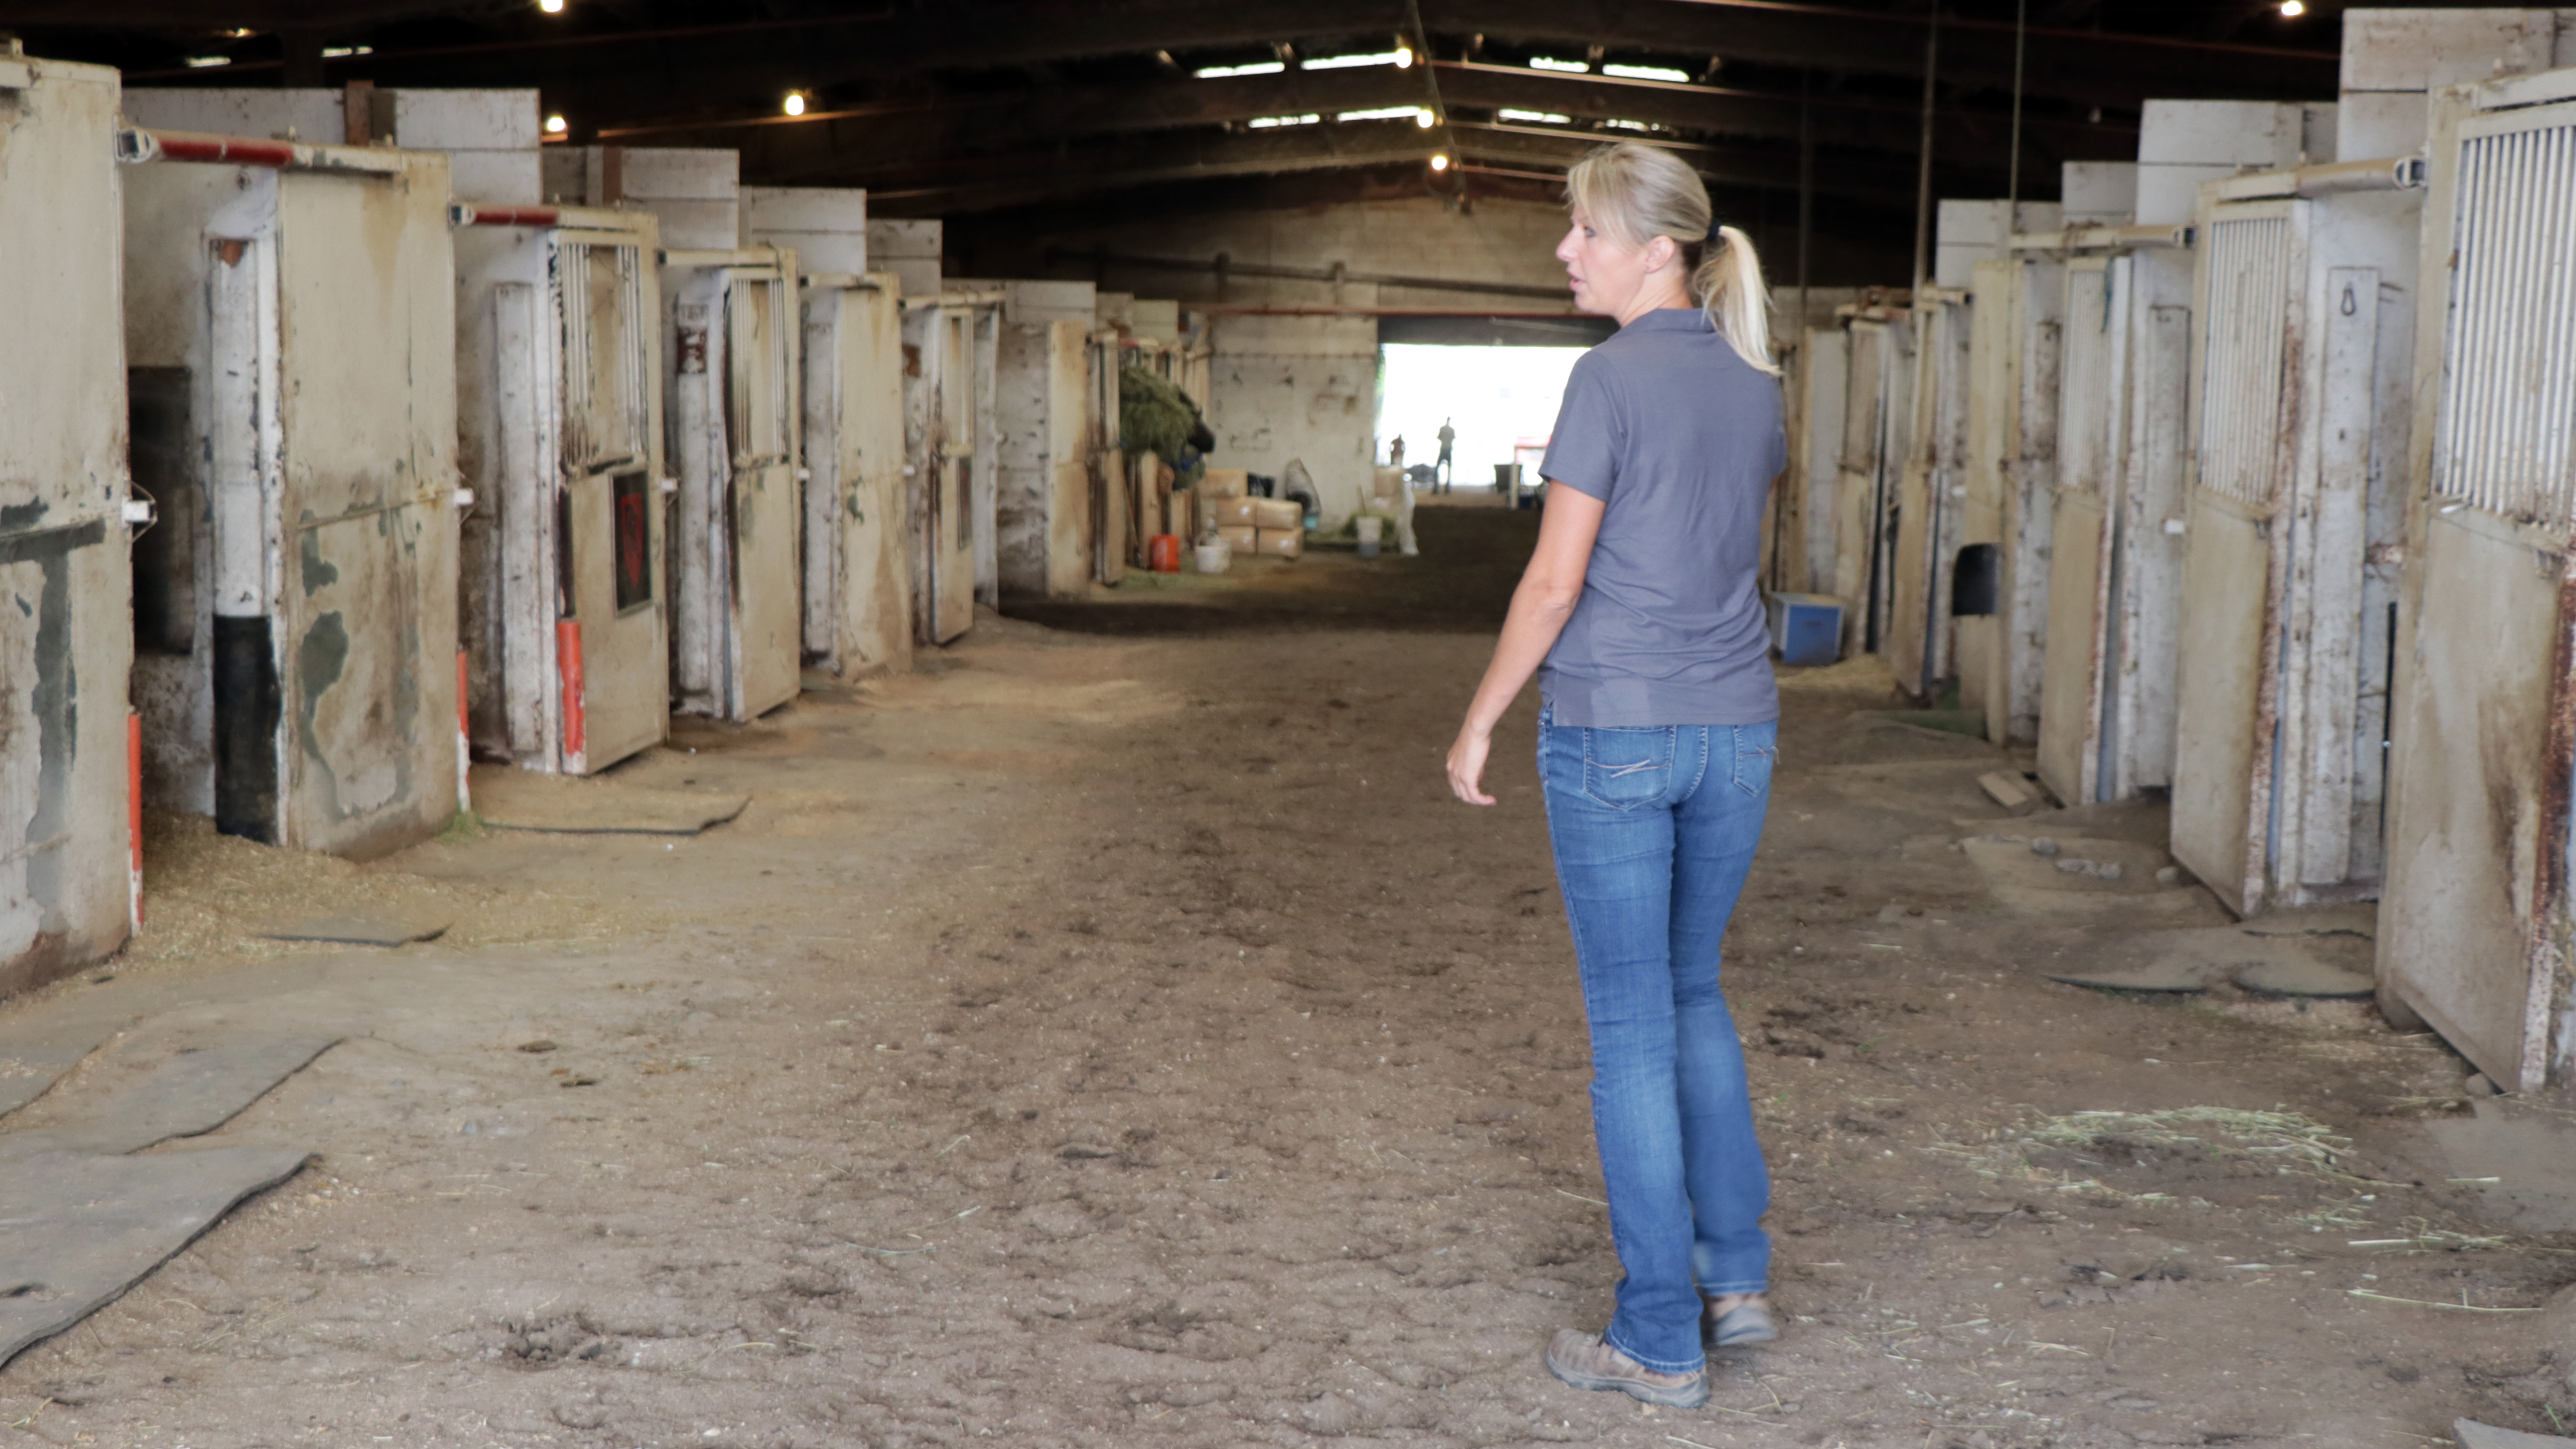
<point x="1545" y="599"/>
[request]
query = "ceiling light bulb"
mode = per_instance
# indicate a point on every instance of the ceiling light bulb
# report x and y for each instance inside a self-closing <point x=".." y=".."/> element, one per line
<point x="551" y="7"/>
<point x="2293" y="9"/>
<point x="1439" y="163"/>
<point x="554" y="125"/>
<point x="1403" y="55"/>
<point x="795" y="104"/>
<point x="1422" y="119"/>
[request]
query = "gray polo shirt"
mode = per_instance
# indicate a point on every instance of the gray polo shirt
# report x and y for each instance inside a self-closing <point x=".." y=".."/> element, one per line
<point x="1680" y="438"/>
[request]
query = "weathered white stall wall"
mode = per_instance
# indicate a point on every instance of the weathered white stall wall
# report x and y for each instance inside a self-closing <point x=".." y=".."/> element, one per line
<point x="2393" y="58"/>
<point x="314" y="115"/>
<point x="492" y="139"/>
<point x="909" y="248"/>
<point x="308" y="323"/>
<point x="1156" y="319"/>
<point x="1968" y="232"/>
<point x="827" y="227"/>
<point x="65" y="632"/>
<point x="491" y="136"/>
<point x="1298" y="389"/>
<point x="2184" y="143"/>
<point x="2097" y="193"/>
<point x="695" y="193"/>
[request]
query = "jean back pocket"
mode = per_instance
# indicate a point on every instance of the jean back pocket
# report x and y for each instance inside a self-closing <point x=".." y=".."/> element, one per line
<point x="1627" y="768"/>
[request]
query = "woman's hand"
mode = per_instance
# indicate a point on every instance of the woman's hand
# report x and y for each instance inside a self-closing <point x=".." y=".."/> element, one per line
<point x="1467" y="766"/>
<point x="1545" y="599"/>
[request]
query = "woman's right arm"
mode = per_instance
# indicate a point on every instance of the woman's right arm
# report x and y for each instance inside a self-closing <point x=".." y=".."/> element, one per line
<point x="1545" y="599"/>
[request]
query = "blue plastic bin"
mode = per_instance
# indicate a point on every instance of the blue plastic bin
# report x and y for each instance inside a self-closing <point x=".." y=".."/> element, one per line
<point x="1806" y="628"/>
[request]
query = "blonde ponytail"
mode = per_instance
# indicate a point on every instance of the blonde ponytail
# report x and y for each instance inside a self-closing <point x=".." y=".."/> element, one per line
<point x="1637" y="192"/>
<point x="1727" y="284"/>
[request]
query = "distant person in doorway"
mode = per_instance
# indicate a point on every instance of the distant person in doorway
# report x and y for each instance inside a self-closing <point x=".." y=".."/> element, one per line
<point x="1657" y="731"/>
<point x="1443" y="470"/>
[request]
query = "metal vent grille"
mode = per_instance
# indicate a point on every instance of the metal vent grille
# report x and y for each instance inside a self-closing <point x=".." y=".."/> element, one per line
<point x="2240" y="409"/>
<point x="600" y="293"/>
<point x="2508" y="434"/>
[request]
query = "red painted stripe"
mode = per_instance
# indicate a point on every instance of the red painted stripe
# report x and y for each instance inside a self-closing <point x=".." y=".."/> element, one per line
<point x="568" y="662"/>
<point x="512" y="216"/>
<point x="238" y="150"/>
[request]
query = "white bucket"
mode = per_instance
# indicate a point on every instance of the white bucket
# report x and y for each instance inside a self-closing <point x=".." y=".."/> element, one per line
<point x="1370" y="530"/>
<point x="1215" y="557"/>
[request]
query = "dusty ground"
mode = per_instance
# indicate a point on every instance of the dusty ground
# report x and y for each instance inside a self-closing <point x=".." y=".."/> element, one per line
<point x="1123" y="1039"/>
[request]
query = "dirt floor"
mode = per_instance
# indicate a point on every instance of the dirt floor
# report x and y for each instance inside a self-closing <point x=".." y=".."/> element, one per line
<point x="1114" y="1034"/>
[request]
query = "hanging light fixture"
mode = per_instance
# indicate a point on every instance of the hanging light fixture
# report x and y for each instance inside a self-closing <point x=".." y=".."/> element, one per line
<point x="1439" y="161"/>
<point x="795" y="103"/>
<point x="1423" y="119"/>
<point x="551" y="7"/>
<point x="2293" y="9"/>
<point x="555" y="125"/>
<point x="1403" y="55"/>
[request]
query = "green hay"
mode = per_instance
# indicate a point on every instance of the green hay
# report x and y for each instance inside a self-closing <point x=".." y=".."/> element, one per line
<point x="1153" y="415"/>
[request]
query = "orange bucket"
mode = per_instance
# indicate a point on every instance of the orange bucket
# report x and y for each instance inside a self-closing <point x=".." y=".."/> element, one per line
<point x="1163" y="553"/>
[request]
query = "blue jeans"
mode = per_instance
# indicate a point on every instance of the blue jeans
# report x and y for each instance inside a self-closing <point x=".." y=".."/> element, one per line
<point x="1654" y="831"/>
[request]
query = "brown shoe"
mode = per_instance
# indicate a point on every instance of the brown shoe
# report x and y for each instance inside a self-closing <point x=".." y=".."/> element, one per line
<point x="1586" y="1362"/>
<point x="1748" y="1322"/>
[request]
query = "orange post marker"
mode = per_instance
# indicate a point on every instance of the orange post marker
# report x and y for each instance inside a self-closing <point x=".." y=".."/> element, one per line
<point x="568" y="663"/>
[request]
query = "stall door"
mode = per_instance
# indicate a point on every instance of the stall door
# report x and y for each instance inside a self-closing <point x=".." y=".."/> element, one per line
<point x="64" y="639"/>
<point x="612" y="661"/>
<point x="1925" y="522"/>
<point x="764" y="505"/>
<point x="951" y="535"/>
<point x="366" y="575"/>
<point x="2474" y="907"/>
<point x="1856" y="502"/>
<point x="2079" y="552"/>
<point x="1067" y="452"/>
<point x="2251" y="520"/>
<point x="1108" y="467"/>
<point x="2008" y="469"/>
<point x="876" y="593"/>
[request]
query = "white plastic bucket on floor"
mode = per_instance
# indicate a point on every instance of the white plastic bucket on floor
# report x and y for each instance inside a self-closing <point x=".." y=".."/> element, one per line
<point x="1215" y="557"/>
<point x="1370" y="530"/>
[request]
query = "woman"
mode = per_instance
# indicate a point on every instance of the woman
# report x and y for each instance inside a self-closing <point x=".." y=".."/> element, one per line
<point x="1657" y="733"/>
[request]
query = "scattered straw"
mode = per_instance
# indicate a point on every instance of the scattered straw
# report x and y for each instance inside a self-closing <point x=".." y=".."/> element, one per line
<point x="2429" y="1303"/>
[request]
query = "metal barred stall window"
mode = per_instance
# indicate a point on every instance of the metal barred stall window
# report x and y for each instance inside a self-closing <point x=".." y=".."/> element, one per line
<point x="2484" y="732"/>
<point x="2507" y="444"/>
<point x="2251" y="259"/>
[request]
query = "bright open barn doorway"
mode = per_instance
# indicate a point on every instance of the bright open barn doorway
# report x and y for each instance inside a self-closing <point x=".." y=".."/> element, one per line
<point x="1501" y="400"/>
